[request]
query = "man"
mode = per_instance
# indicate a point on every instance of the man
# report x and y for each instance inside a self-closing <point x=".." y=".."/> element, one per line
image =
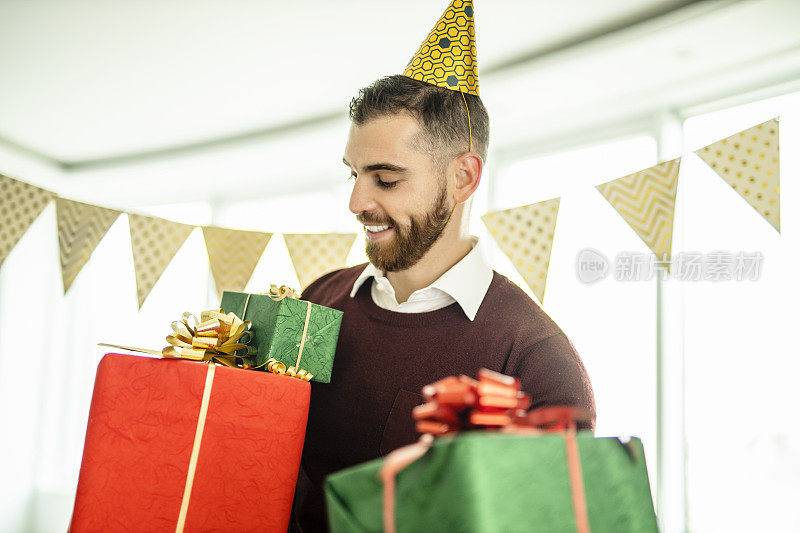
<point x="426" y="305"/>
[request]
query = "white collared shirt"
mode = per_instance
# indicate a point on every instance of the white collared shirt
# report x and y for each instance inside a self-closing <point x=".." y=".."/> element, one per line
<point x="466" y="283"/>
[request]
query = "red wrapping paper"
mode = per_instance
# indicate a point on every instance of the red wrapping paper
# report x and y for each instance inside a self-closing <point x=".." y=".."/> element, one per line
<point x="141" y="430"/>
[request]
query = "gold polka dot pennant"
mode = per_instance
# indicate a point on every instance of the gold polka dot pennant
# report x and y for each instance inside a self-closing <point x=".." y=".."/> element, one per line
<point x="646" y="200"/>
<point x="81" y="227"/>
<point x="447" y="58"/>
<point x="749" y="161"/>
<point x="20" y="205"/>
<point x="154" y="242"/>
<point x="233" y="255"/>
<point x="315" y="254"/>
<point x="525" y="235"/>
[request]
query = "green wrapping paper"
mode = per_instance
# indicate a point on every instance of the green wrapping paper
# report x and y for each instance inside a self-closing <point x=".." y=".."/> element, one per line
<point x="277" y="328"/>
<point x="486" y="482"/>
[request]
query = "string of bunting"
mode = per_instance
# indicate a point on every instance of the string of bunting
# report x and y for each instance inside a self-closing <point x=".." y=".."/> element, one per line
<point x="748" y="161"/>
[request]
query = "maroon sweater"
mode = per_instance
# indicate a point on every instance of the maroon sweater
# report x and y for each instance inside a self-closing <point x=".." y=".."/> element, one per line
<point x="384" y="358"/>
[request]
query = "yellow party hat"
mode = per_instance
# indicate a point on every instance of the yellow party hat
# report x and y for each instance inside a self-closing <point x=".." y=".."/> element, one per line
<point x="447" y="57"/>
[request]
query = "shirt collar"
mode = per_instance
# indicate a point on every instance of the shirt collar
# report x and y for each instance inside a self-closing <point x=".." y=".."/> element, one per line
<point x="467" y="281"/>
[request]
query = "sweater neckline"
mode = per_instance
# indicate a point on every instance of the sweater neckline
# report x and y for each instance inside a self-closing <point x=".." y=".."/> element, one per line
<point x="364" y="301"/>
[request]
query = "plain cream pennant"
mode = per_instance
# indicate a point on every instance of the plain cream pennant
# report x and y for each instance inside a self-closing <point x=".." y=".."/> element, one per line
<point x="233" y="255"/>
<point x="315" y="254"/>
<point x="749" y="161"/>
<point x="154" y="242"/>
<point x="20" y="205"/>
<point x="646" y="200"/>
<point x="80" y="229"/>
<point x="525" y="234"/>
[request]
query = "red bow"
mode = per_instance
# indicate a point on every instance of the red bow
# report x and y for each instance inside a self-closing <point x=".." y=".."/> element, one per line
<point x="493" y="401"/>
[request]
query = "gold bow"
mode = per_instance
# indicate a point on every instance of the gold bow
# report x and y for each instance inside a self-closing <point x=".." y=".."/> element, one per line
<point x="279" y="293"/>
<point x="216" y="336"/>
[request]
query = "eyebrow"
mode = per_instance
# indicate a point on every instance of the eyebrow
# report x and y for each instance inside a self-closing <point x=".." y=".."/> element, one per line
<point x="389" y="167"/>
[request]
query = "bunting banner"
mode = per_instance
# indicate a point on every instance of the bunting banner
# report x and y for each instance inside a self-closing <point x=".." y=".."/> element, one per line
<point x="81" y="227"/>
<point x="20" y="205"/>
<point x="525" y="234"/>
<point x="646" y="200"/>
<point x="315" y="254"/>
<point x="233" y="255"/>
<point x="749" y="162"/>
<point x="154" y="242"/>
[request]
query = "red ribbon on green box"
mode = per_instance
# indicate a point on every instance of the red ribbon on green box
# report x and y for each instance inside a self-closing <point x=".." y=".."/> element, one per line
<point x="492" y="402"/>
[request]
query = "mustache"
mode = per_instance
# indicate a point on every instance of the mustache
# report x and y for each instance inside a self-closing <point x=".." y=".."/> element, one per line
<point x="371" y="219"/>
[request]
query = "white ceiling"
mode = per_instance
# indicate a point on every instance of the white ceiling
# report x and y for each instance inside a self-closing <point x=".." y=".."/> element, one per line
<point x="88" y="80"/>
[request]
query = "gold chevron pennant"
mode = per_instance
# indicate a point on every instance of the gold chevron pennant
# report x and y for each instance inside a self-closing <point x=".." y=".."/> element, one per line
<point x="80" y="229"/>
<point x="233" y="255"/>
<point x="525" y="234"/>
<point x="154" y="242"/>
<point x="20" y="205"/>
<point x="315" y="254"/>
<point x="646" y="200"/>
<point x="749" y="161"/>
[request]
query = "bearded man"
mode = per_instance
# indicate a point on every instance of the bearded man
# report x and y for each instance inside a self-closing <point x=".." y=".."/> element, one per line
<point x="426" y="305"/>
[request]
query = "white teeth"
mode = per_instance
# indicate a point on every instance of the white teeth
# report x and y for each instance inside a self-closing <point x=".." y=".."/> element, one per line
<point x="376" y="229"/>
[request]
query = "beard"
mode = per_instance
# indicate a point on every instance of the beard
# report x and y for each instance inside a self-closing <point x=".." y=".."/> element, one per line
<point x="409" y="243"/>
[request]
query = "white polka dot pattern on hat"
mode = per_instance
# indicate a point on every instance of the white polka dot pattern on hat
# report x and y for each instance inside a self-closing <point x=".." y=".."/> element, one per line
<point x="315" y="254"/>
<point x="154" y="242"/>
<point x="749" y="161"/>
<point x="20" y="205"/>
<point x="525" y="234"/>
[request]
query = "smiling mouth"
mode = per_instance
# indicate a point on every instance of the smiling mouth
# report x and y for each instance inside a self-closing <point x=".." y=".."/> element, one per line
<point x="376" y="229"/>
<point x="375" y="232"/>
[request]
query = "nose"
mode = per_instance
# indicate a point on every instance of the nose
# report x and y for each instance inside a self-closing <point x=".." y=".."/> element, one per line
<point x="360" y="199"/>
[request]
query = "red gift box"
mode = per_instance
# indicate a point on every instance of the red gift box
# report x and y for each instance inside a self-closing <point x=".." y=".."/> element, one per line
<point x="177" y="445"/>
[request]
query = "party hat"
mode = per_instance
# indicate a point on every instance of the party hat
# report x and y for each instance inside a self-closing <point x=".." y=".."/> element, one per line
<point x="447" y="57"/>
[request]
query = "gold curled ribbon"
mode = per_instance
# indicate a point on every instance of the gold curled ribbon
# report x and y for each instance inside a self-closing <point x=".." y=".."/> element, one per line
<point x="216" y="336"/>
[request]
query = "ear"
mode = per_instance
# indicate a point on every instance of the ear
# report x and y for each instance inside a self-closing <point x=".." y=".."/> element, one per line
<point x="468" y="170"/>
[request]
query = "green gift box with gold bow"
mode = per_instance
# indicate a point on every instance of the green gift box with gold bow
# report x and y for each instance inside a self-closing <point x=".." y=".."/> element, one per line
<point x="297" y="334"/>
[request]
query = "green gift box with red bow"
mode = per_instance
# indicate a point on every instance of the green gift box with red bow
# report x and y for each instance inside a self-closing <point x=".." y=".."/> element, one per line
<point x="496" y="467"/>
<point x="483" y="481"/>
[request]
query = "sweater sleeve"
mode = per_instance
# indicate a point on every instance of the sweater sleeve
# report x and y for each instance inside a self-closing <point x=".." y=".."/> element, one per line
<point x="551" y="371"/>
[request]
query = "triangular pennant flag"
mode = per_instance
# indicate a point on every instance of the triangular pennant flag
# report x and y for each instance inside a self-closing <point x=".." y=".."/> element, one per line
<point x="80" y="229"/>
<point x="233" y="255"/>
<point x="749" y="161"/>
<point x="646" y="200"/>
<point x="525" y="234"/>
<point x="20" y="205"/>
<point x="446" y="58"/>
<point x="154" y="242"/>
<point x="314" y="254"/>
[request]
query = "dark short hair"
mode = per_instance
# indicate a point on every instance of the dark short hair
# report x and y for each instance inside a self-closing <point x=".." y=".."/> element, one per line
<point x="440" y="112"/>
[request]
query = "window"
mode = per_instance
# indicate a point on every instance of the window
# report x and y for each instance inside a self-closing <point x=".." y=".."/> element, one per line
<point x="612" y="323"/>
<point x="743" y="442"/>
